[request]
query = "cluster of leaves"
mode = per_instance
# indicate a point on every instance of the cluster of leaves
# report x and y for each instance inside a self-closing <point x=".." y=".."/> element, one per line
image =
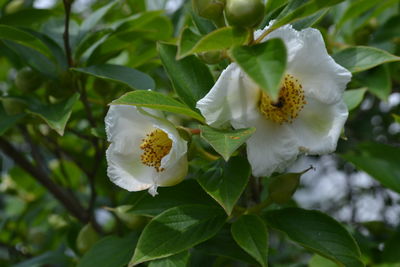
<point x="59" y="71"/>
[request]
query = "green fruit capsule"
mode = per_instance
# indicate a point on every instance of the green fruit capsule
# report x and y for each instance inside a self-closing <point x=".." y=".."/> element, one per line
<point x="27" y="80"/>
<point x="209" y="9"/>
<point x="211" y="57"/>
<point x="244" y="13"/>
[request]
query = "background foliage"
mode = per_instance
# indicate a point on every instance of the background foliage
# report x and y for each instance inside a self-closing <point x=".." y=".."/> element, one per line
<point x="58" y="207"/>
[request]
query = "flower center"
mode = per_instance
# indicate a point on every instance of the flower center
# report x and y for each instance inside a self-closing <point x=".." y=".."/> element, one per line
<point x="155" y="146"/>
<point x="290" y="102"/>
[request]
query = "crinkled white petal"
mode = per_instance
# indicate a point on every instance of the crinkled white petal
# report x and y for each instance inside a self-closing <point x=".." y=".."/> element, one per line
<point x="233" y="97"/>
<point x="308" y="61"/>
<point x="126" y="127"/>
<point x="272" y="148"/>
<point x="319" y="126"/>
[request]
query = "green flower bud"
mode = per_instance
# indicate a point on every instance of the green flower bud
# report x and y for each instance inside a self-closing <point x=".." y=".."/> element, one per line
<point x="27" y="80"/>
<point x="87" y="237"/>
<point x="209" y="9"/>
<point x="13" y="105"/>
<point x="211" y="57"/>
<point x="244" y="13"/>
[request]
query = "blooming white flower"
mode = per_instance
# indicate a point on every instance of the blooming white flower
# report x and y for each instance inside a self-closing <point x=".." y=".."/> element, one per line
<point x="308" y="116"/>
<point x="146" y="150"/>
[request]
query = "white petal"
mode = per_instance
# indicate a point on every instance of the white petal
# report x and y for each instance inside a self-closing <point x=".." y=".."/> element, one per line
<point x="319" y="126"/>
<point x="320" y="75"/>
<point x="271" y="148"/>
<point x="126" y="127"/>
<point x="233" y="98"/>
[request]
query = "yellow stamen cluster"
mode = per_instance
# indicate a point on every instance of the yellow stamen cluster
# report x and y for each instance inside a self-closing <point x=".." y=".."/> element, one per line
<point x="155" y="146"/>
<point x="290" y="102"/>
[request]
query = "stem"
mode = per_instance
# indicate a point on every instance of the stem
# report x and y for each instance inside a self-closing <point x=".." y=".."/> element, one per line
<point x="67" y="8"/>
<point x="70" y="203"/>
<point x="262" y="36"/>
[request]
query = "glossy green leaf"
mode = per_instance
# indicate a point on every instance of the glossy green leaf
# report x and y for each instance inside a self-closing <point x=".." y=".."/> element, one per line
<point x="226" y="184"/>
<point x="298" y="9"/>
<point x="354" y="97"/>
<point x="111" y="251"/>
<point x="55" y="115"/>
<point x="154" y="100"/>
<point x="7" y="121"/>
<point x="223" y="244"/>
<point x="378" y="82"/>
<point x="176" y="230"/>
<point x="250" y="232"/>
<point x="360" y="58"/>
<point x="380" y="161"/>
<point x="190" y="77"/>
<point x="318" y="232"/>
<point x="24" y="38"/>
<point x="310" y="20"/>
<point x="265" y="63"/>
<point x="185" y="193"/>
<point x="177" y="260"/>
<point x="225" y="142"/>
<point x="220" y="39"/>
<point x="124" y="75"/>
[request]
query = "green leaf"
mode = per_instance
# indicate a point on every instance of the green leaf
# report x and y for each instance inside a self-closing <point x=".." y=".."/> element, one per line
<point x="298" y="9"/>
<point x="190" y="77"/>
<point x="111" y="251"/>
<point x="225" y="142"/>
<point x="124" y="75"/>
<point x="176" y="230"/>
<point x="220" y="39"/>
<point x="177" y="260"/>
<point x="360" y="58"/>
<point x="23" y="38"/>
<point x="282" y="187"/>
<point x="310" y="20"/>
<point x="55" y="115"/>
<point x="250" y="232"/>
<point x="318" y="261"/>
<point x="185" y="193"/>
<point x="391" y="249"/>
<point x="222" y="244"/>
<point x="355" y="10"/>
<point x="265" y="63"/>
<point x="26" y="17"/>
<point x="317" y="232"/>
<point x="353" y="98"/>
<point x="7" y="121"/>
<point x="91" y="21"/>
<point x="154" y="100"/>
<point x="380" y="161"/>
<point x="396" y="118"/>
<point x="226" y="184"/>
<point x="378" y="82"/>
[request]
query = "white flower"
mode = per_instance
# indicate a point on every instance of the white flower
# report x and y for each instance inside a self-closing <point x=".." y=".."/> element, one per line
<point x="307" y="118"/>
<point x="146" y="150"/>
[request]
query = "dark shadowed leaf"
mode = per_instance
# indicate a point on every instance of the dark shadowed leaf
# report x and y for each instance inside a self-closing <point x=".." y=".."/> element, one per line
<point x="124" y="75"/>
<point x="318" y="232"/>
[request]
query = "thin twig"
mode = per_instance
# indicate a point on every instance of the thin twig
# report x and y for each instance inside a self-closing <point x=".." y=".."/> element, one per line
<point x="71" y="204"/>
<point x="67" y="8"/>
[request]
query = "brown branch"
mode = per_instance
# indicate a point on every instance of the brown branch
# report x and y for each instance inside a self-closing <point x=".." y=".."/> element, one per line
<point x="71" y="204"/>
<point x="67" y="8"/>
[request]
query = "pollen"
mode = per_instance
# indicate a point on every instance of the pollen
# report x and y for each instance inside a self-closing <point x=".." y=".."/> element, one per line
<point x="155" y="146"/>
<point x="290" y="102"/>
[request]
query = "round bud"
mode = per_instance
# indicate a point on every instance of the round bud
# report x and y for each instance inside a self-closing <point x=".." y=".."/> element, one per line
<point x="209" y="9"/>
<point x="13" y="105"/>
<point x="244" y="13"/>
<point x="87" y="237"/>
<point x="211" y="57"/>
<point x="27" y="80"/>
<point x="14" y="6"/>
